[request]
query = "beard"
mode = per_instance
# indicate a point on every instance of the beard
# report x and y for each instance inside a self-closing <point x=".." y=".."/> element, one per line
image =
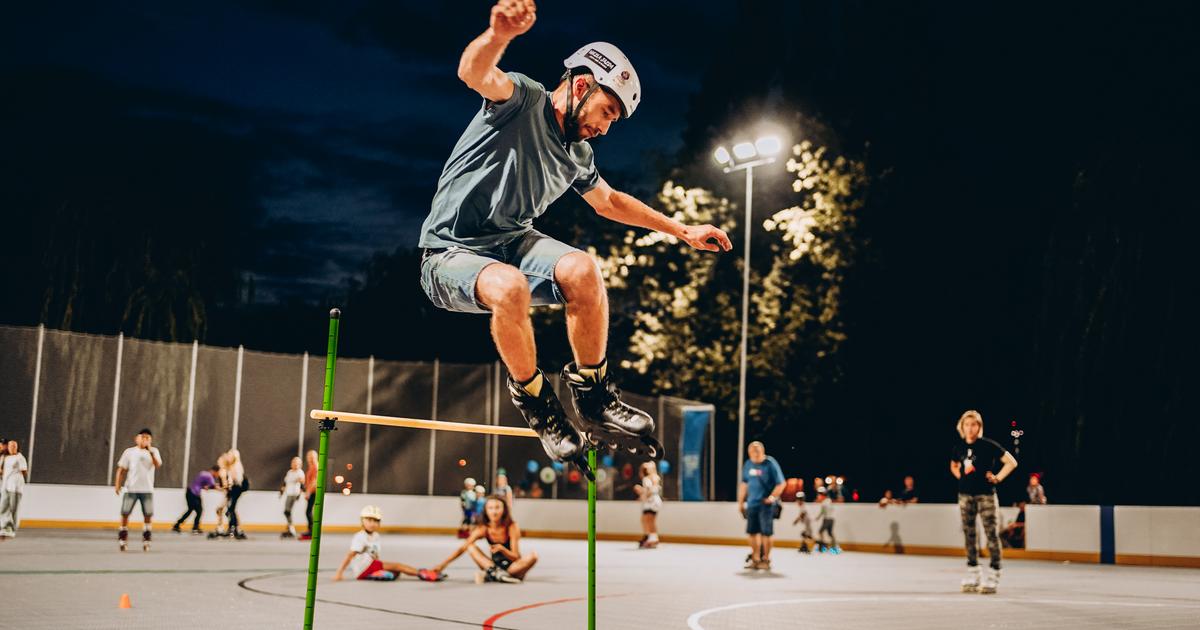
<point x="574" y="132"/>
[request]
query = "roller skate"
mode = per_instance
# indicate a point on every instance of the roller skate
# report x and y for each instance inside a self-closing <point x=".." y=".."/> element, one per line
<point x="382" y="576"/>
<point x="970" y="584"/>
<point x="606" y="420"/>
<point x="429" y="575"/>
<point x="123" y="538"/>
<point x="991" y="580"/>
<point x="495" y="574"/>
<point x="145" y="540"/>
<point x="545" y="415"/>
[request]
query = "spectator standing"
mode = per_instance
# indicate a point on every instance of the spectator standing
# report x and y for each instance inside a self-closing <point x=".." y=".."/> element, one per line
<point x="1035" y="490"/>
<point x="238" y="484"/>
<point x="762" y="483"/>
<point x="310" y="490"/>
<point x="135" y="484"/>
<point x="466" y="501"/>
<point x="974" y="462"/>
<point x="826" y="517"/>
<point x="292" y="489"/>
<point x="15" y="471"/>
<point x="909" y="493"/>
<point x="503" y="490"/>
<point x="650" y="493"/>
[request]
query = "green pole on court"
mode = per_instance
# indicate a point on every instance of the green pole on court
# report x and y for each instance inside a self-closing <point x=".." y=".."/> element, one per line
<point x="326" y="425"/>
<point x="591" y="595"/>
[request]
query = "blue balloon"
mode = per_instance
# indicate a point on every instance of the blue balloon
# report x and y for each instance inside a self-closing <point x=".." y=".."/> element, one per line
<point x="532" y="466"/>
<point x="606" y="461"/>
<point x="558" y="466"/>
<point x="664" y="467"/>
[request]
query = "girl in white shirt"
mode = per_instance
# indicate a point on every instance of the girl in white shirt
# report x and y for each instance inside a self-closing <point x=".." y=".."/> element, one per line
<point x="650" y="493"/>
<point x="293" y="488"/>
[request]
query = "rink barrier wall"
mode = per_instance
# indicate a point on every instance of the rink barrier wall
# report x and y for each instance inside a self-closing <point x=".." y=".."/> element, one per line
<point x="1155" y="536"/>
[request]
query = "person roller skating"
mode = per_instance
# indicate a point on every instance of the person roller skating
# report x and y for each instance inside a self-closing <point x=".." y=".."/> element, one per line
<point x="525" y="147"/>
<point x="974" y="462"/>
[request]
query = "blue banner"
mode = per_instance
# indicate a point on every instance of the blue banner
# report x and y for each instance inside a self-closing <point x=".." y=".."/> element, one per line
<point x="695" y="432"/>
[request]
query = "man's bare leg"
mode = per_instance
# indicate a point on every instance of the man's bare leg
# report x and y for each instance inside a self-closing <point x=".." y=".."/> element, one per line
<point x="587" y="307"/>
<point x="504" y="290"/>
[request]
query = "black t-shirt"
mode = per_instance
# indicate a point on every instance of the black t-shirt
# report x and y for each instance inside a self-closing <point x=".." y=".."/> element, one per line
<point x="977" y="458"/>
<point x="908" y="495"/>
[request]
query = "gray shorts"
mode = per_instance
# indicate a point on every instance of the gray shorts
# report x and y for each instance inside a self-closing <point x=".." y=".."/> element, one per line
<point x="448" y="276"/>
<point x="145" y="498"/>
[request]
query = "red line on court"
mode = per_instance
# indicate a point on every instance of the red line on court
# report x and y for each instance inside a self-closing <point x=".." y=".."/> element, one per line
<point x="488" y="623"/>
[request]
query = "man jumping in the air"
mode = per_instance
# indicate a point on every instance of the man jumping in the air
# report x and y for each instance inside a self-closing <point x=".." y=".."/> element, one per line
<point x="522" y="150"/>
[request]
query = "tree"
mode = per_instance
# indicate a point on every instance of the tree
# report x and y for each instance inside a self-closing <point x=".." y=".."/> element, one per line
<point x="683" y="326"/>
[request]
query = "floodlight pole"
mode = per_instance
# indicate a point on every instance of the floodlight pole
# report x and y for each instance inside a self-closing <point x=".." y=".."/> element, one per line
<point x="749" y="168"/>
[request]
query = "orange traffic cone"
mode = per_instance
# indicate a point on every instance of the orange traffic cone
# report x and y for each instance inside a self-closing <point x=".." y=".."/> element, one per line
<point x="124" y="601"/>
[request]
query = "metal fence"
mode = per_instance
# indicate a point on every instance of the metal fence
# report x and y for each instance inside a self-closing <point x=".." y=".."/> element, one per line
<point x="76" y="401"/>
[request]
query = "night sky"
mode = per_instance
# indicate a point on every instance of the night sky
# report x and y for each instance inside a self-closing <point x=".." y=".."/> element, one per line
<point x="1027" y="248"/>
<point x="348" y="112"/>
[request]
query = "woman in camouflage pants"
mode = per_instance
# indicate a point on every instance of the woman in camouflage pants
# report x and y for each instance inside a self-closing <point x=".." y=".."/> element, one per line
<point x="974" y="462"/>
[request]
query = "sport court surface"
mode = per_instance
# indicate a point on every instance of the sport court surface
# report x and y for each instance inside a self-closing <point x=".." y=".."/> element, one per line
<point x="74" y="579"/>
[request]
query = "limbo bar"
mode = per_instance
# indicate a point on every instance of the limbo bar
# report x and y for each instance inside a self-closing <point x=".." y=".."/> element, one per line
<point x="417" y="423"/>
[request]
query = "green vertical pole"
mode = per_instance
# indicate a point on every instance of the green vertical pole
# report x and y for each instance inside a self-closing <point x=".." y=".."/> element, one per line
<point x="314" y="547"/>
<point x="591" y="596"/>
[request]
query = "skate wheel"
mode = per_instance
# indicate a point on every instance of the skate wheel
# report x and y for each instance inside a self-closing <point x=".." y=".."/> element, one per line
<point x="652" y="448"/>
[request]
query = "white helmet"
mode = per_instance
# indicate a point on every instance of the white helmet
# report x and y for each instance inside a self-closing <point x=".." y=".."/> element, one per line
<point x="371" y="511"/>
<point x="612" y="70"/>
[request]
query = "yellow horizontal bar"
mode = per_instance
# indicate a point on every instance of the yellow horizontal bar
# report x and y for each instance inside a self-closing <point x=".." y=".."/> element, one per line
<point x="417" y="423"/>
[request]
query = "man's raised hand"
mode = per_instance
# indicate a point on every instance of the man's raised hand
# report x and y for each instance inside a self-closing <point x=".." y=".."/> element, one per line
<point x="511" y="18"/>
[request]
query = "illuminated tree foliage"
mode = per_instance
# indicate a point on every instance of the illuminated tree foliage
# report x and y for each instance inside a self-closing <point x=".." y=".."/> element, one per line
<point x="684" y="305"/>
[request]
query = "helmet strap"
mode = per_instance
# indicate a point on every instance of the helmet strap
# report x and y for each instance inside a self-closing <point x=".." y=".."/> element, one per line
<point x="570" y="117"/>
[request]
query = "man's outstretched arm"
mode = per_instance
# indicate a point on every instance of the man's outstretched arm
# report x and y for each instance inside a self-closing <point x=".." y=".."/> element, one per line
<point x="477" y="66"/>
<point x="624" y="208"/>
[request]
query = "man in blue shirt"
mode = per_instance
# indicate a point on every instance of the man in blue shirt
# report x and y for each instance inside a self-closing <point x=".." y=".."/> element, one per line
<point x="524" y="148"/>
<point x="762" y="483"/>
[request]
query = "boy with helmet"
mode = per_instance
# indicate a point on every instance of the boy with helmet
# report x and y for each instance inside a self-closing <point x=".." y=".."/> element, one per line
<point x="363" y="557"/>
<point x="523" y="149"/>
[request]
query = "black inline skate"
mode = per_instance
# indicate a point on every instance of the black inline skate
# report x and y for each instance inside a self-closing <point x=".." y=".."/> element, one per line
<point x="606" y="421"/>
<point x="546" y="416"/>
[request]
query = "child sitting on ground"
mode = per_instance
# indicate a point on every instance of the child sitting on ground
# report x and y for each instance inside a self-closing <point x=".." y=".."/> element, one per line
<point x="363" y="558"/>
<point x="502" y="561"/>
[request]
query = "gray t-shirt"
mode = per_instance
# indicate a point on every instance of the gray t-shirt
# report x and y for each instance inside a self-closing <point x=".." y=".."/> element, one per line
<point x="505" y="170"/>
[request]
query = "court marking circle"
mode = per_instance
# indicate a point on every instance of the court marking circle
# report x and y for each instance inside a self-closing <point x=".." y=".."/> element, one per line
<point x="693" y="620"/>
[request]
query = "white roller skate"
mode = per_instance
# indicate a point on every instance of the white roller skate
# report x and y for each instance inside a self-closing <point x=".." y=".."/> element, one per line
<point x="991" y="580"/>
<point x="970" y="584"/>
